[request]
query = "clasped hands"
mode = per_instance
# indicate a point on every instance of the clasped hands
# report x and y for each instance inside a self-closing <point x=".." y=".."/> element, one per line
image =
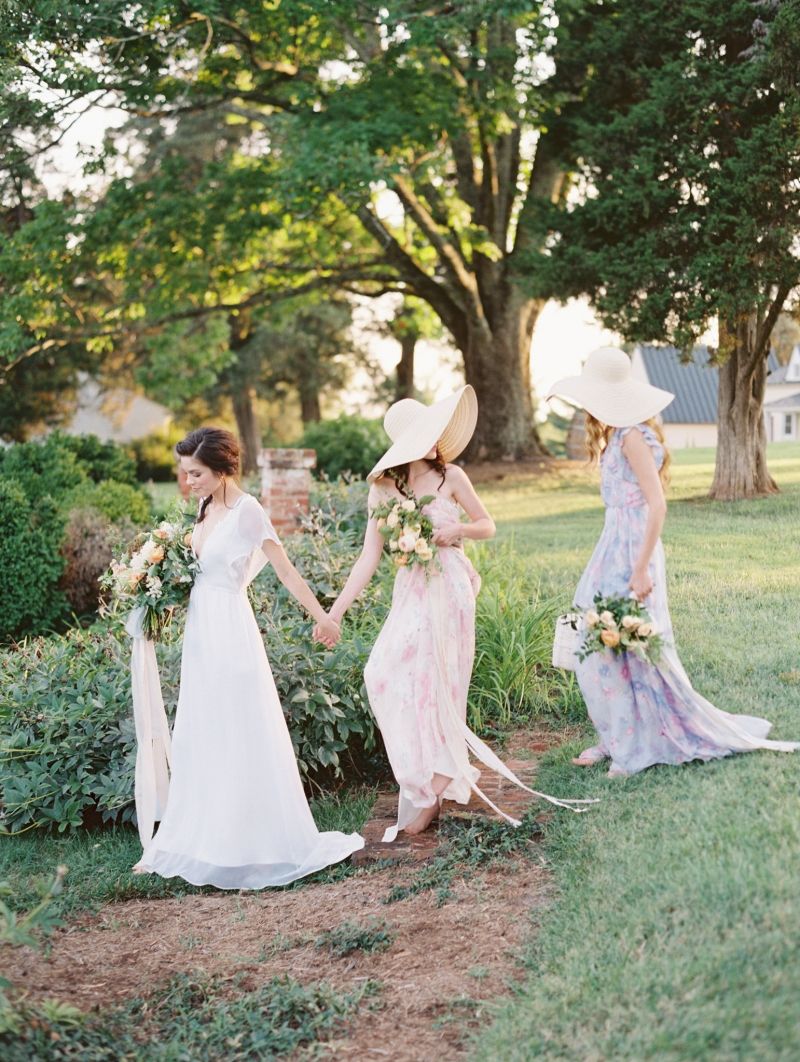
<point x="328" y="632"/>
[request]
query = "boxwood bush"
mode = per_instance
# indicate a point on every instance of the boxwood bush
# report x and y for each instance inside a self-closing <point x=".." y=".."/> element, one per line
<point x="347" y="444"/>
<point x="43" y="554"/>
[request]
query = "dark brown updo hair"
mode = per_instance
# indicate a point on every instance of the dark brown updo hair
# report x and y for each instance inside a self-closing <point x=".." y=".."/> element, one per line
<point x="399" y="473"/>
<point x="217" y="449"/>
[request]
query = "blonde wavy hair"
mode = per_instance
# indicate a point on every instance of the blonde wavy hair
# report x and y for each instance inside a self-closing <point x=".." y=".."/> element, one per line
<point x="598" y="435"/>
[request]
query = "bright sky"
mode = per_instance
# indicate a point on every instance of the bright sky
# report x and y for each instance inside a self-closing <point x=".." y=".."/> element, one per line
<point x="563" y="337"/>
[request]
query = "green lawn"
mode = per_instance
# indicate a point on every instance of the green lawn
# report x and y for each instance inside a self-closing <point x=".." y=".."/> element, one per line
<point x="675" y="933"/>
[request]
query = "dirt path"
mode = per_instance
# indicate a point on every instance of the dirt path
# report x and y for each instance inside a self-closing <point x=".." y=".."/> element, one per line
<point x="444" y="963"/>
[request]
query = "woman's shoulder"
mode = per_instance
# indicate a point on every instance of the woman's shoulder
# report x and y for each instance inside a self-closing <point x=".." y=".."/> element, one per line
<point x="646" y="431"/>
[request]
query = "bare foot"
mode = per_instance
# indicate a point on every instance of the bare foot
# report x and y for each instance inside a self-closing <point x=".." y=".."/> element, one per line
<point x="425" y="819"/>
<point x="589" y="757"/>
<point x="139" y="869"/>
<point x="617" y="772"/>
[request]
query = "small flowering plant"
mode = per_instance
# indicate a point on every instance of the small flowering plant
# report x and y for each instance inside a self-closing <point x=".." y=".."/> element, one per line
<point x="408" y="532"/>
<point x="622" y="625"/>
<point x="155" y="574"/>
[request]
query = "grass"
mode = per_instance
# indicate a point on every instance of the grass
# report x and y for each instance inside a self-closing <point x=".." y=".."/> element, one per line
<point x="99" y="862"/>
<point x="211" y="1018"/>
<point x="675" y="932"/>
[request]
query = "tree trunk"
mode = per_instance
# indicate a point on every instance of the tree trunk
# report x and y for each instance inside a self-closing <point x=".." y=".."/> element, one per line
<point x="741" y="466"/>
<point x="309" y="404"/>
<point x="497" y="364"/>
<point x="404" y="388"/>
<point x="247" y="425"/>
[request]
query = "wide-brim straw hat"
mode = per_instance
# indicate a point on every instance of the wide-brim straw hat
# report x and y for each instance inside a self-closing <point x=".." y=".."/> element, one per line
<point x="607" y="389"/>
<point x="415" y="429"/>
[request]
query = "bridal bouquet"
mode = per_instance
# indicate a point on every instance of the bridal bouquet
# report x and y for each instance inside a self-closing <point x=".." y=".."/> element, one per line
<point x="407" y="530"/>
<point x="156" y="574"/>
<point x="620" y="624"/>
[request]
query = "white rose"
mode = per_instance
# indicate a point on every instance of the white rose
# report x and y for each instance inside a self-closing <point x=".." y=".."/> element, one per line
<point x="407" y="542"/>
<point x="607" y="619"/>
<point x="630" y="623"/>
<point x="645" y="630"/>
<point x="139" y="561"/>
<point x="592" y="619"/>
<point x="392" y="544"/>
<point x="425" y="554"/>
<point x="421" y="546"/>
<point x="392" y="520"/>
<point x="408" y="506"/>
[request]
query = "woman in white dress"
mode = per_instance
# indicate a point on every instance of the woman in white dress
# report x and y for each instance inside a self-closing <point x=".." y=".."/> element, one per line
<point x="236" y="815"/>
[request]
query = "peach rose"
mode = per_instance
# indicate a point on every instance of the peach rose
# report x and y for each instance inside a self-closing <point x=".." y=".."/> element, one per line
<point x="401" y="559"/>
<point x="610" y="638"/>
<point x="187" y="538"/>
<point x="157" y="555"/>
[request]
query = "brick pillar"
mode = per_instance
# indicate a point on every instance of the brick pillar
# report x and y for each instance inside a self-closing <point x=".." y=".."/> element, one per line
<point x="285" y="485"/>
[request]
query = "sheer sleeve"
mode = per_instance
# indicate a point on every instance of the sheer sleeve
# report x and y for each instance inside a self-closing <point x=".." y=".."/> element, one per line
<point x="253" y="529"/>
<point x="254" y="525"/>
<point x="650" y="438"/>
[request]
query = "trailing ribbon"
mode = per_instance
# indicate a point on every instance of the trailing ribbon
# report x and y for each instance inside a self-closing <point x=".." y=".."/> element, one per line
<point x="152" y="731"/>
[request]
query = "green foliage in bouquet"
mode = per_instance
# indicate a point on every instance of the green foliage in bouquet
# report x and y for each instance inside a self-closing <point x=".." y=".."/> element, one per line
<point x="621" y="624"/>
<point x="406" y="530"/>
<point x="156" y="575"/>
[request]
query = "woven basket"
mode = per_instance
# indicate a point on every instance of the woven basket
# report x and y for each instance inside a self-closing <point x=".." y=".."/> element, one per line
<point x="567" y="641"/>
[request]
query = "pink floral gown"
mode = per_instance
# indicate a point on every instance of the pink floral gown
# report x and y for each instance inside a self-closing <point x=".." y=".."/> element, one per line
<point x="418" y="676"/>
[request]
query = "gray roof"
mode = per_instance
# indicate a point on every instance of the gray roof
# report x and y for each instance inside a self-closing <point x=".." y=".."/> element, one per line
<point x="778" y="375"/>
<point x="786" y="404"/>
<point x="694" y="383"/>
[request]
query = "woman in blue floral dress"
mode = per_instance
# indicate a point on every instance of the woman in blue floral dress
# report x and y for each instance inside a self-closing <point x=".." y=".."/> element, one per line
<point x="644" y="713"/>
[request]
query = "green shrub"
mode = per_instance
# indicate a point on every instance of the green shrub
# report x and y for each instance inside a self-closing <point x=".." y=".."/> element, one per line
<point x="45" y="468"/>
<point x="30" y="562"/>
<point x="116" y="501"/>
<point x="100" y="460"/>
<point x="155" y="455"/>
<point x="87" y="548"/>
<point x="56" y="475"/>
<point x="347" y="444"/>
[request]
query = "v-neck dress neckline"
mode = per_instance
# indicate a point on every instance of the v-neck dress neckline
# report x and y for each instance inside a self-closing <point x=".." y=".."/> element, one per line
<point x="216" y="527"/>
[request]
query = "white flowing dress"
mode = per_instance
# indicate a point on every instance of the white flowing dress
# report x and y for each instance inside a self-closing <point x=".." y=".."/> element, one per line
<point x="236" y="816"/>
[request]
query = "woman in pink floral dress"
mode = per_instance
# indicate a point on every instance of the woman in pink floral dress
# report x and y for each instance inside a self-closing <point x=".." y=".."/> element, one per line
<point x="419" y="670"/>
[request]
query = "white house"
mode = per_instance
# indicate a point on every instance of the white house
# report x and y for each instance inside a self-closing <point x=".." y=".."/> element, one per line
<point x="118" y="415"/>
<point x="782" y="405"/>
<point x="691" y="419"/>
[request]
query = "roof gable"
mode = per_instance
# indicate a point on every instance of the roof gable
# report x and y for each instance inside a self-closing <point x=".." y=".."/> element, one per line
<point x="694" y="383"/>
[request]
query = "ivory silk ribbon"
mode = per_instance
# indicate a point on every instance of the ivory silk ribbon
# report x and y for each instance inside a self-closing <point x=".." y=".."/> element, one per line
<point x="152" y="731"/>
<point x="458" y="734"/>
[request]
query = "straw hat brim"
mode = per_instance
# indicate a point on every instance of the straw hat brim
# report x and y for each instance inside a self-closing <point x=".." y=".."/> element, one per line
<point x="449" y="423"/>
<point x="620" y="405"/>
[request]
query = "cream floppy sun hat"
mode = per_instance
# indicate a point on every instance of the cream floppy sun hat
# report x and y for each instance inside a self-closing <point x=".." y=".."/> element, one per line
<point x="415" y="429"/>
<point x="607" y="390"/>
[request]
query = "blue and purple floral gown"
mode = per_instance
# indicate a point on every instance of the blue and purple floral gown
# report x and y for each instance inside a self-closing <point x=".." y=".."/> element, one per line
<point x="648" y="713"/>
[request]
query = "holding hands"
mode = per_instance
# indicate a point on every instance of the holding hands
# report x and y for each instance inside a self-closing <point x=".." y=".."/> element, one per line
<point x="327" y="631"/>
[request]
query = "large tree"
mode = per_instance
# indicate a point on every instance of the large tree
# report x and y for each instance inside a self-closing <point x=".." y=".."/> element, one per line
<point x="346" y="101"/>
<point x="682" y="122"/>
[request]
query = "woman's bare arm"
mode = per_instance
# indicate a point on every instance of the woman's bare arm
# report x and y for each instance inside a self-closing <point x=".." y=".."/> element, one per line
<point x="640" y="457"/>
